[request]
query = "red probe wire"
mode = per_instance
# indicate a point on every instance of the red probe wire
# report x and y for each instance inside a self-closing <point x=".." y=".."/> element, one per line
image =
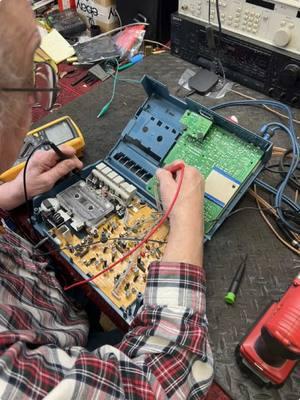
<point x="173" y="168"/>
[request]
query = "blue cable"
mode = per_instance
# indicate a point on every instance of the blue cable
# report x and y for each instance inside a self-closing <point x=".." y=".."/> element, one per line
<point x="274" y="126"/>
<point x="290" y="172"/>
<point x="272" y="103"/>
<point x="272" y="190"/>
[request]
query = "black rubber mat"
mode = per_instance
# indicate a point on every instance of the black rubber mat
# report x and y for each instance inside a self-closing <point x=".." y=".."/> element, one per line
<point x="270" y="268"/>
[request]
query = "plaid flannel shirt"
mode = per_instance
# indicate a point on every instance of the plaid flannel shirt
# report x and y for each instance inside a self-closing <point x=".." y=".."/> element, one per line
<point x="165" y="355"/>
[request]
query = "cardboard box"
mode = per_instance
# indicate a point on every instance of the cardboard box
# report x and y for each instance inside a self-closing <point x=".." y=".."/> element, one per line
<point x="98" y="12"/>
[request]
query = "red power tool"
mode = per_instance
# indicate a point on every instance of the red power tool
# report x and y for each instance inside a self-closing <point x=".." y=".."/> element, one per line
<point x="272" y="348"/>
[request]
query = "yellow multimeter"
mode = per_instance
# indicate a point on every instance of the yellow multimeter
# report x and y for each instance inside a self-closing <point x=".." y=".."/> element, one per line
<point x="61" y="131"/>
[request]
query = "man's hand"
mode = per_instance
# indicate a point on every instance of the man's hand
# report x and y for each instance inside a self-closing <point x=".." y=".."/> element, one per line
<point x="189" y="203"/>
<point x="43" y="171"/>
<point x="186" y="218"/>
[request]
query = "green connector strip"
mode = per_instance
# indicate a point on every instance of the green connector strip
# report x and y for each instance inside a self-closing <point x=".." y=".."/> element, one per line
<point x="196" y="127"/>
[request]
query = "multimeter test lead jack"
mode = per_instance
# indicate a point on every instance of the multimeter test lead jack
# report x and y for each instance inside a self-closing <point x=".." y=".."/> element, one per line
<point x="236" y="282"/>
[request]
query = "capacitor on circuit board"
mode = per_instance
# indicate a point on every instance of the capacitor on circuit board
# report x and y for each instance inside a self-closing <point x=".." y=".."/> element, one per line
<point x="140" y="263"/>
<point x="138" y="303"/>
<point x="158" y="253"/>
<point x="104" y="237"/>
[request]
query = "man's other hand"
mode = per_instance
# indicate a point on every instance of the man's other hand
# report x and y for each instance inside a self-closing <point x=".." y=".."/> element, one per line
<point x="45" y="168"/>
<point x="189" y="204"/>
<point x="185" y="242"/>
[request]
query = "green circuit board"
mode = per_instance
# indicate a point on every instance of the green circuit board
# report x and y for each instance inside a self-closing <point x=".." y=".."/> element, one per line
<point x="206" y="146"/>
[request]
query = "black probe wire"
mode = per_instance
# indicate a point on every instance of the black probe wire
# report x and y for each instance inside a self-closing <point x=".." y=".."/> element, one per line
<point x="217" y="61"/>
<point x="27" y="201"/>
<point x="219" y="22"/>
<point x="26" y="166"/>
<point x="61" y="156"/>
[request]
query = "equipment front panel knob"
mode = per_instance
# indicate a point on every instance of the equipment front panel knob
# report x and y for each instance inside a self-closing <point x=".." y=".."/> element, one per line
<point x="282" y="37"/>
<point x="290" y="75"/>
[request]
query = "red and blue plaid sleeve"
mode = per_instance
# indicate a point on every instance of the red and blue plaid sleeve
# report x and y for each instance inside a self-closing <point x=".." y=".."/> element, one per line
<point x="165" y="355"/>
<point x="170" y="332"/>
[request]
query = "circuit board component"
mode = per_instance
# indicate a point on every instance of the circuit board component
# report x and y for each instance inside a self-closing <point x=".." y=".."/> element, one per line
<point x="220" y="188"/>
<point x="84" y="204"/>
<point x="114" y="181"/>
<point x="195" y="127"/>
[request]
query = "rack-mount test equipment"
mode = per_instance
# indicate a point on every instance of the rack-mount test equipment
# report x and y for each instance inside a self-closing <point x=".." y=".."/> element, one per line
<point x="253" y="63"/>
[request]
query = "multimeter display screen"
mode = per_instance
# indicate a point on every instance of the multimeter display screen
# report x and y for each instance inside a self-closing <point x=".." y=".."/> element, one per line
<point x="59" y="133"/>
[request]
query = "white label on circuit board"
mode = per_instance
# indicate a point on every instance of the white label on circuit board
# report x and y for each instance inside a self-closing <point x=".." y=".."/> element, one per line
<point x="220" y="187"/>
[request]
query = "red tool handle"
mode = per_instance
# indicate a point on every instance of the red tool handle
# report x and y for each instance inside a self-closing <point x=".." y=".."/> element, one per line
<point x="284" y="323"/>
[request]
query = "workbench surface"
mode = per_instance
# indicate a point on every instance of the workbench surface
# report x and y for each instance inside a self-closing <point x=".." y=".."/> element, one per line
<point x="270" y="267"/>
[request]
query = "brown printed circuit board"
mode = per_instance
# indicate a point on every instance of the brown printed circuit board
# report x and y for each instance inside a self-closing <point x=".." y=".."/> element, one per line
<point x="96" y="222"/>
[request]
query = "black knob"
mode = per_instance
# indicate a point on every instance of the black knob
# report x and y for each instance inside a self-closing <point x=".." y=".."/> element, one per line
<point x="271" y="91"/>
<point x="282" y="95"/>
<point x="290" y="75"/>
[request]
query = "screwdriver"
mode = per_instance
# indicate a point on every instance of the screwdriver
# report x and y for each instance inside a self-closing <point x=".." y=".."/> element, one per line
<point x="236" y="282"/>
